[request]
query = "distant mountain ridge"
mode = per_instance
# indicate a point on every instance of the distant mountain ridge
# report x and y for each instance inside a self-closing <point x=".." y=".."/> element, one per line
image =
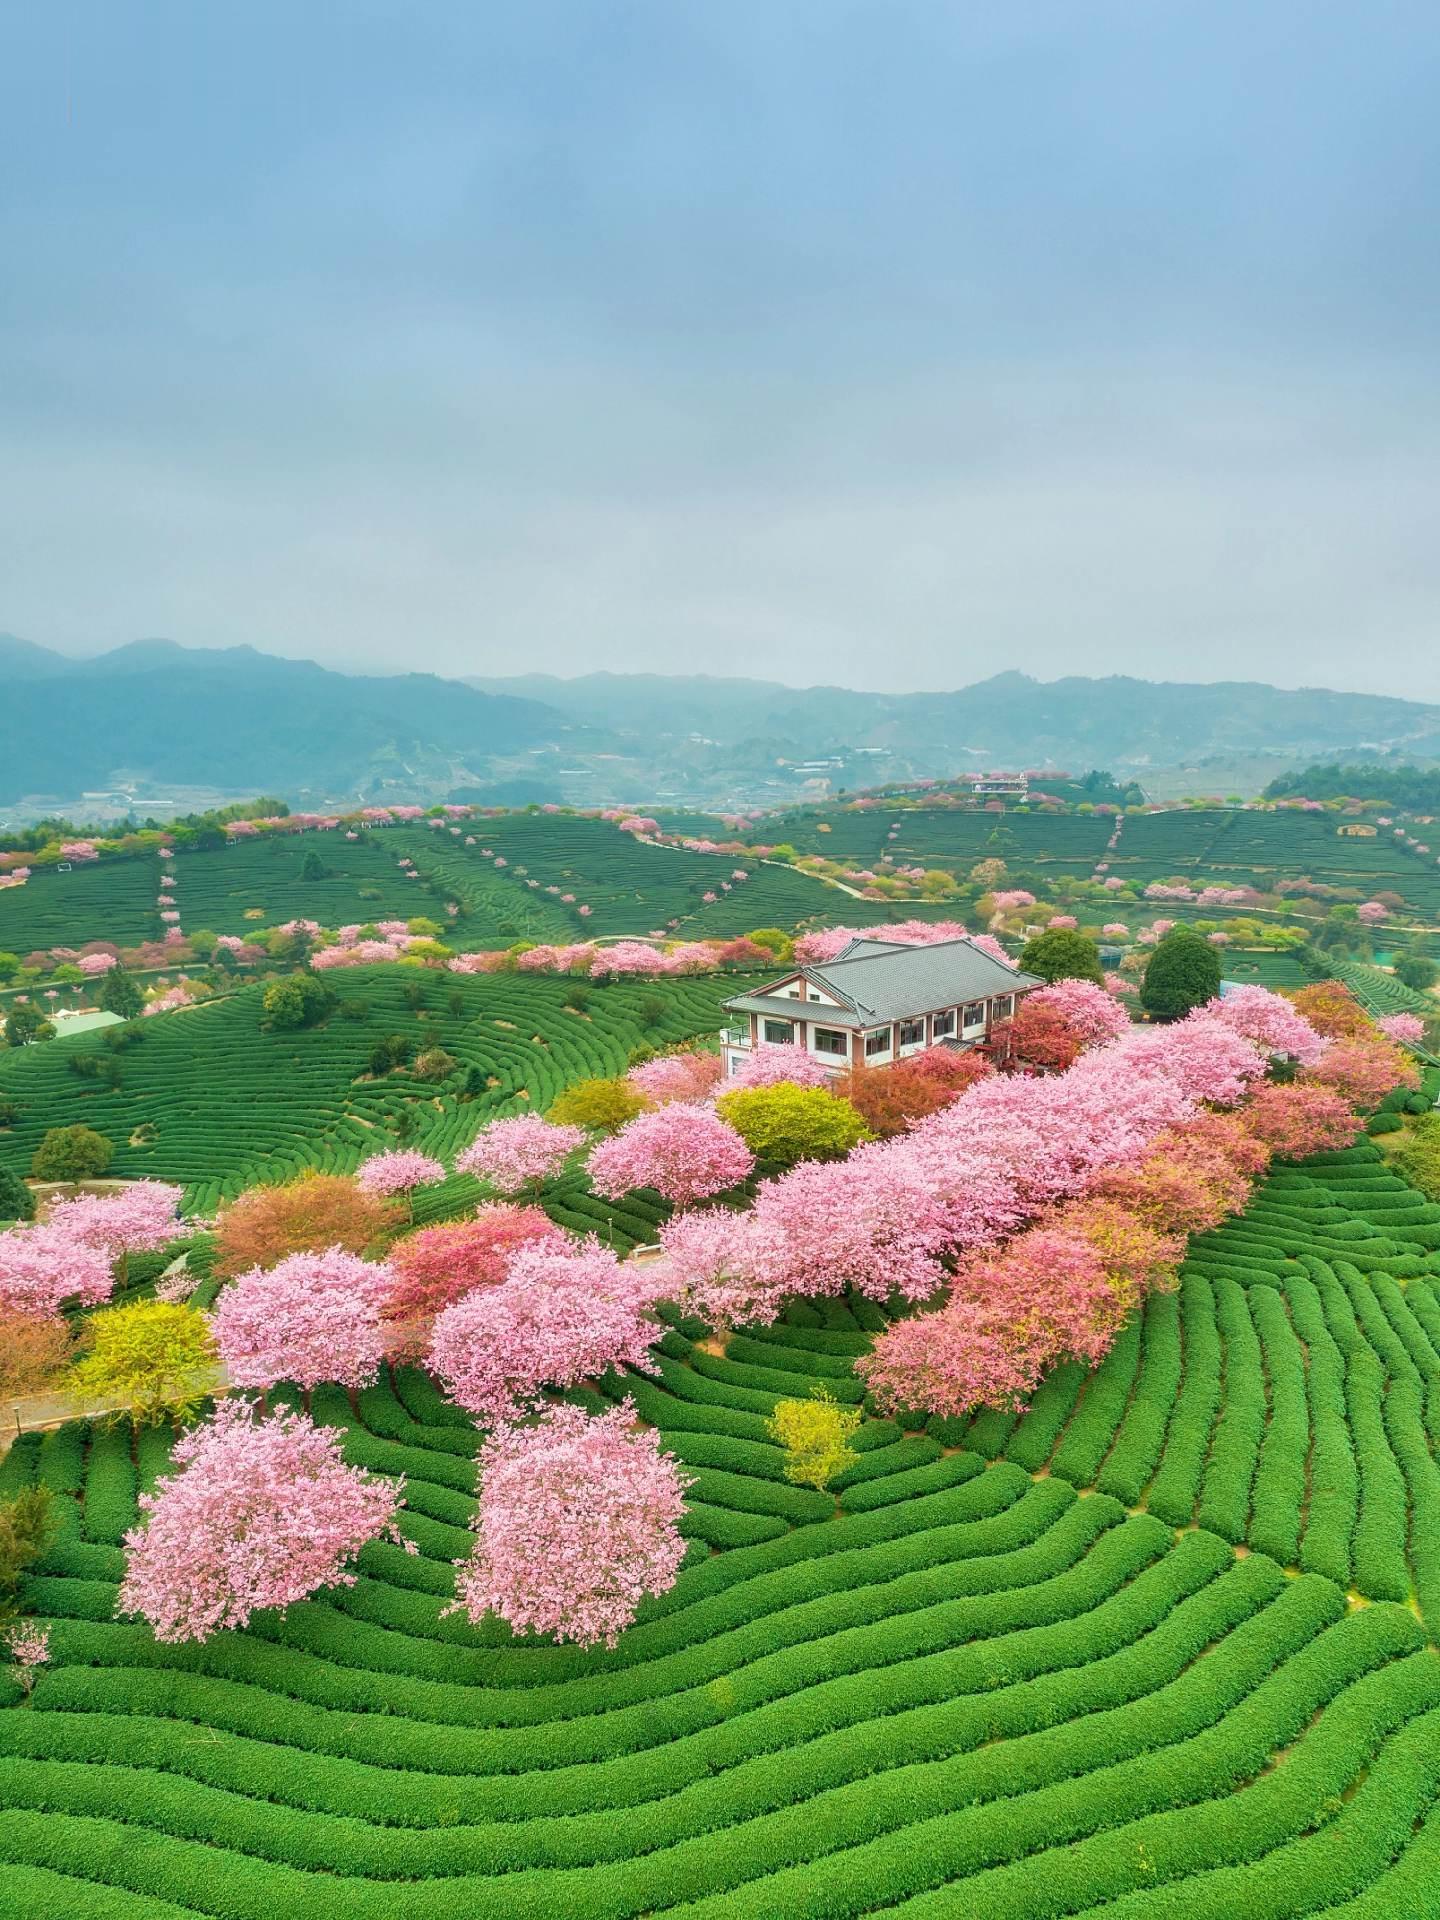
<point x="238" y="718"/>
<point x="242" y="720"/>
<point x="1010" y="719"/>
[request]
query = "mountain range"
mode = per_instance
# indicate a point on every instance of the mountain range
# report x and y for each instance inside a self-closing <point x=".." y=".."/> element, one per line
<point x="1007" y="720"/>
<point x="236" y="718"/>
<point x="155" y="713"/>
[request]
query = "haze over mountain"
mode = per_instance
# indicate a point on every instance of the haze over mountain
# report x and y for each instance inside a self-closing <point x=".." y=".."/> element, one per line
<point x="237" y="718"/>
<point x="162" y="714"/>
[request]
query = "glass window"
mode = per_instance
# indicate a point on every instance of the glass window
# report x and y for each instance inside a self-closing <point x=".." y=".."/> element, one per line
<point x="828" y="1040"/>
<point x="975" y="1014"/>
<point x="779" y="1032"/>
<point x="877" y="1042"/>
<point x="1005" y="1006"/>
<point x="944" y="1023"/>
<point x="912" y="1032"/>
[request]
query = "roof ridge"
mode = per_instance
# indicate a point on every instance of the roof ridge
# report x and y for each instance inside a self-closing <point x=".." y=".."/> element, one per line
<point x="844" y="959"/>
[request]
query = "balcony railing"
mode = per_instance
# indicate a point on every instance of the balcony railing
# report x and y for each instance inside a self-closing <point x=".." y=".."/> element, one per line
<point x="736" y="1036"/>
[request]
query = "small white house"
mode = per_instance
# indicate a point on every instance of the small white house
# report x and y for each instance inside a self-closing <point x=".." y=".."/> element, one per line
<point x="878" y="1001"/>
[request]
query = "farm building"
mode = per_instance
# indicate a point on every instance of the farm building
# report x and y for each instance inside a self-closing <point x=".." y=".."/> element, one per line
<point x="1357" y="832"/>
<point x="878" y="1001"/>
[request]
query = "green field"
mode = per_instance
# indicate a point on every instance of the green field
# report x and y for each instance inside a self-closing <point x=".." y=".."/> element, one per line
<point x="1161" y="1647"/>
<point x="1281" y="972"/>
<point x="637" y="889"/>
<point x="114" y="900"/>
<point x="631" y="887"/>
<point x="951" y="838"/>
<point x="1234" y="847"/>
<point x="225" y="1104"/>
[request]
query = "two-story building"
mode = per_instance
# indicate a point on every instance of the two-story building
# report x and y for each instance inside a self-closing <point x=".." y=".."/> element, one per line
<point x="878" y="1001"/>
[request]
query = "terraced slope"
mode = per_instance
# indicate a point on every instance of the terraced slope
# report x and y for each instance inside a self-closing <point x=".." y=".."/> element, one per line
<point x="1380" y="992"/>
<point x="1016" y="1686"/>
<point x="1287" y="1398"/>
<point x="210" y="1100"/>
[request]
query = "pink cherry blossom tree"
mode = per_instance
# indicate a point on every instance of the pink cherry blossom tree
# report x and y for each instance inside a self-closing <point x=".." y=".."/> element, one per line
<point x="140" y="1218"/>
<point x="769" y="1064"/>
<point x="684" y="1153"/>
<point x="577" y="1523"/>
<point x="520" y="1151"/>
<point x="261" y="1513"/>
<point x="559" y="1317"/>
<point x="1087" y="1010"/>
<point x="1203" y="1055"/>
<point x="310" y="1318"/>
<point x="1271" y="1021"/>
<point x="28" y="1645"/>
<point x="398" y="1173"/>
<point x="1406" y="1028"/>
<point x="689" y="1077"/>
<point x="43" y="1268"/>
<point x="1299" y="1120"/>
<point x="1363" y="1069"/>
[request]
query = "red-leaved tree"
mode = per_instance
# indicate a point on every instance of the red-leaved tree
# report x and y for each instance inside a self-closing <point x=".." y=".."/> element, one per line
<point x="890" y="1099"/>
<point x="1299" y="1120"/>
<point x="439" y="1265"/>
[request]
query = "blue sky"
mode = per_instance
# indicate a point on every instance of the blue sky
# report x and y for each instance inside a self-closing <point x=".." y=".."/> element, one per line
<point x="884" y="344"/>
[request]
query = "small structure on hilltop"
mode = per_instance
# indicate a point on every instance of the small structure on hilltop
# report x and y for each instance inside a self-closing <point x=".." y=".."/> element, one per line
<point x="879" y="1001"/>
<point x="1011" y="786"/>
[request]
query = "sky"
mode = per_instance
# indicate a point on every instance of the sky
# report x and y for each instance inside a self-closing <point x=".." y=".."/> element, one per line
<point x="889" y="345"/>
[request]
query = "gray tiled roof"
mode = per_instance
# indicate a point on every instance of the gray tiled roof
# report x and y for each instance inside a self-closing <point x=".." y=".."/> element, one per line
<point x="878" y="980"/>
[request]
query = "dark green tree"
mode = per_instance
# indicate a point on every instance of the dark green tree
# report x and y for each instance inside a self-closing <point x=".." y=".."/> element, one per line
<point x="1183" y="973"/>
<point x="16" y="1200"/>
<point x="121" y="995"/>
<point x="391" y="1052"/>
<point x="24" y="1024"/>
<point x="1416" y="971"/>
<point x="25" y="1528"/>
<point x="1062" y="953"/>
<point x="299" y="1000"/>
<point x="313" y="867"/>
<point x="72" y="1153"/>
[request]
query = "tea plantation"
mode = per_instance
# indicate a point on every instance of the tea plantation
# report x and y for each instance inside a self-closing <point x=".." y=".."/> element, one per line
<point x="1165" y="1645"/>
<point x="631" y="887"/>
<point x="1235" y="847"/>
<point x="208" y="1099"/>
